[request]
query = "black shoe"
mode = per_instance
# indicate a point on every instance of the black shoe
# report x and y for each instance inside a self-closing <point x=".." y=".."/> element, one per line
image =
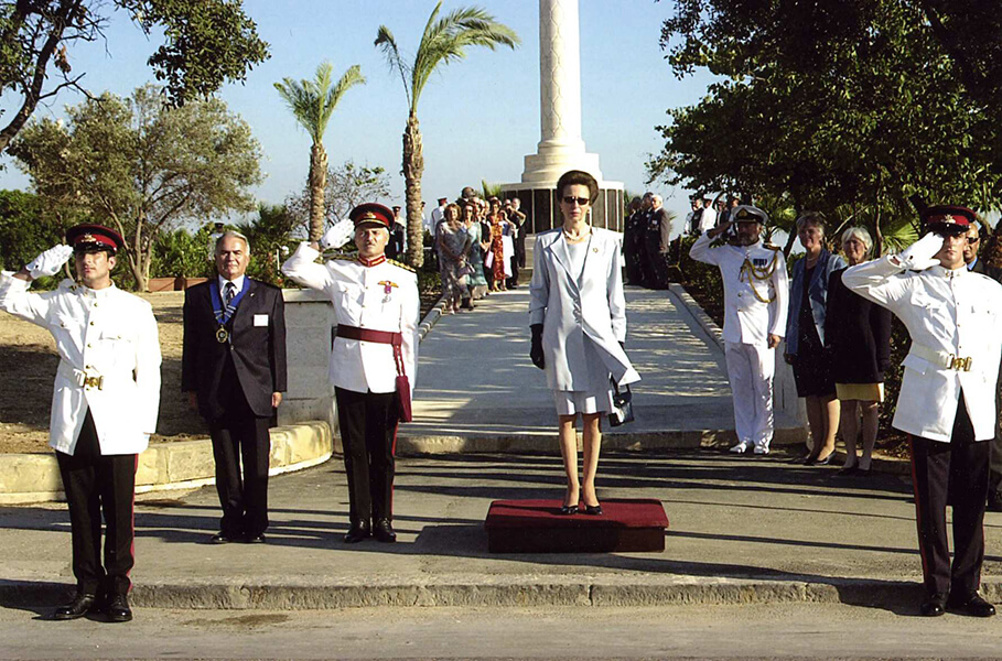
<point x="383" y="531"/>
<point x="934" y="605"/>
<point x="994" y="501"/>
<point x="221" y="538"/>
<point x="256" y="539"/>
<point x="569" y="510"/>
<point x="973" y="605"/>
<point x="848" y="471"/>
<point x="359" y="530"/>
<point x="80" y="606"/>
<point x="593" y="510"/>
<point x="118" y="609"/>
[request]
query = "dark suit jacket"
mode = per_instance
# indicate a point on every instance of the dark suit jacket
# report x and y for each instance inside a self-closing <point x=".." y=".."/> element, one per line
<point x="256" y="349"/>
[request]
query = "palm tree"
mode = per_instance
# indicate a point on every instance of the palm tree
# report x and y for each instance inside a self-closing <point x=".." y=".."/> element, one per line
<point x="444" y="40"/>
<point x="312" y="102"/>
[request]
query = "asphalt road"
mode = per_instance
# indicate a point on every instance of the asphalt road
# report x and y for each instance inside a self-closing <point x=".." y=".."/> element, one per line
<point x="740" y="631"/>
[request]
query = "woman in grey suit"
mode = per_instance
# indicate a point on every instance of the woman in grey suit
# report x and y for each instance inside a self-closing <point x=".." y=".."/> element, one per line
<point x="577" y="314"/>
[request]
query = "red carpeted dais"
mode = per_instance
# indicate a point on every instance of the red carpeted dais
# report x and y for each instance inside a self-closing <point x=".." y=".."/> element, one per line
<point x="536" y="526"/>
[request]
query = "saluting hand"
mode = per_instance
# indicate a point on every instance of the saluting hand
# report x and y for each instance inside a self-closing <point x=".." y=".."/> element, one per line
<point x="49" y="262"/>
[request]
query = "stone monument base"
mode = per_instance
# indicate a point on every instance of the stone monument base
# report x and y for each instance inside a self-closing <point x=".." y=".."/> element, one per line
<point x="542" y="209"/>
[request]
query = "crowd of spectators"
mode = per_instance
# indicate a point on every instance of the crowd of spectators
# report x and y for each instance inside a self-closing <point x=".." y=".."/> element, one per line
<point x="479" y="245"/>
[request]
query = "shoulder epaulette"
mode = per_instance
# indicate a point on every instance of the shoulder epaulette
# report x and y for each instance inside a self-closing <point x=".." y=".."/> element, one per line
<point x="771" y="246"/>
<point x="402" y="265"/>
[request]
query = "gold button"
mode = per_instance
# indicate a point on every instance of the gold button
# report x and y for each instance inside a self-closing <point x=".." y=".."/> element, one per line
<point x="92" y="323"/>
<point x="88" y="346"/>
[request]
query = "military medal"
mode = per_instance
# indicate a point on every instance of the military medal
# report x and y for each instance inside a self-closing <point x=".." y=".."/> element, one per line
<point x="222" y="335"/>
<point x="387" y="289"/>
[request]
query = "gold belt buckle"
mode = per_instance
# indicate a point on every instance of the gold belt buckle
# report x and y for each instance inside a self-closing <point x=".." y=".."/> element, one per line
<point x="94" y="382"/>
<point x="958" y="363"/>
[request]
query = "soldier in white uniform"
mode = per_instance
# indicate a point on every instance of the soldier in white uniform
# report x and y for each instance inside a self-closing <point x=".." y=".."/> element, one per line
<point x="105" y="402"/>
<point x="947" y="399"/>
<point x="756" y="290"/>
<point x="373" y="362"/>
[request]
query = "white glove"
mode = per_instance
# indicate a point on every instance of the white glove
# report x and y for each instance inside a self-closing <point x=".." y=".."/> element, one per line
<point x="49" y="262"/>
<point x="338" y="235"/>
<point x="919" y="255"/>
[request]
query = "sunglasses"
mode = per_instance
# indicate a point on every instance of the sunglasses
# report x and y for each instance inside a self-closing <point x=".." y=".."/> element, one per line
<point x="973" y="239"/>
<point x="581" y="201"/>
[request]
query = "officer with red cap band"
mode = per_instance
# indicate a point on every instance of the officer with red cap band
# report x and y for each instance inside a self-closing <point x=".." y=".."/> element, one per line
<point x="104" y="405"/>
<point x="373" y="359"/>
<point x="947" y="399"/>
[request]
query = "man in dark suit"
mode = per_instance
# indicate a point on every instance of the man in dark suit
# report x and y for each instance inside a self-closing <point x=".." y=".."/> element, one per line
<point x="233" y="369"/>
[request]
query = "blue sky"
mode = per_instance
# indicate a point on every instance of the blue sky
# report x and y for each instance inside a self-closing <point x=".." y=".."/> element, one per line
<point x="479" y="116"/>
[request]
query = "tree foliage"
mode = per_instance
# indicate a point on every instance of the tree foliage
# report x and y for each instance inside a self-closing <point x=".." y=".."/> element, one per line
<point x="25" y="229"/>
<point x="348" y="185"/>
<point x="141" y="167"/>
<point x="207" y="42"/>
<point x="847" y="106"/>
<point x="312" y="103"/>
<point x="444" y="40"/>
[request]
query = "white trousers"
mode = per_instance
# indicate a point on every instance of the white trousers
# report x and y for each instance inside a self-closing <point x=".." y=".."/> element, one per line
<point x="750" y="369"/>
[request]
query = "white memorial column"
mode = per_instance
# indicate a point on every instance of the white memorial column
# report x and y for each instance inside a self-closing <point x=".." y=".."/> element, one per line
<point x="561" y="146"/>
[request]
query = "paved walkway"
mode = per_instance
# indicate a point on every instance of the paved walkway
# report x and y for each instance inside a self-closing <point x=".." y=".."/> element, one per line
<point x="477" y="387"/>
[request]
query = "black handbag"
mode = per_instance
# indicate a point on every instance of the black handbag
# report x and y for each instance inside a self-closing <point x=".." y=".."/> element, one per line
<point x="622" y="406"/>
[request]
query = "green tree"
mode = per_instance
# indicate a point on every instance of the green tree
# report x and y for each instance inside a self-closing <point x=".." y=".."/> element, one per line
<point x="312" y="102"/>
<point x="25" y="229"/>
<point x="850" y="107"/>
<point x="142" y="167"/>
<point x="348" y="185"/>
<point x="207" y="42"/>
<point x="444" y="40"/>
<point x="269" y="235"/>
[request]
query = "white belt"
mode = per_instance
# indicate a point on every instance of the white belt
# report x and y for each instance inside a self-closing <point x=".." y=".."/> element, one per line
<point x="88" y="378"/>
<point x="942" y="359"/>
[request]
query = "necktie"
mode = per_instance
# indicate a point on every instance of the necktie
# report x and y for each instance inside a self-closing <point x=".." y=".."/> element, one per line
<point x="230" y="292"/>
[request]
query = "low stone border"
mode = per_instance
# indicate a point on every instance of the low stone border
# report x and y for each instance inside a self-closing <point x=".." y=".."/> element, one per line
<point x="32" y="478"/>
<point x="430" y="319"/>
<point x="494" y="591"/>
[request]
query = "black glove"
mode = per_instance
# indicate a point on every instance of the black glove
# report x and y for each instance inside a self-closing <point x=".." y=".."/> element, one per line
<point x="536" y="351"/>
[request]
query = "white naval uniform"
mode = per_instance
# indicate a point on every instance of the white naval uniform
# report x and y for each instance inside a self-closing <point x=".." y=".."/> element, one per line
<point x="383" y="297"/>
<point x="748" y="322"/>
<point x="947" y="312"/>
<point x="104" y="333"/>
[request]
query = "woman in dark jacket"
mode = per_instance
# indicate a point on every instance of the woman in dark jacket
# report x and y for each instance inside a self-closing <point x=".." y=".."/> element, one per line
<point x="858" y="334"/>
<point x="805" y="336"/>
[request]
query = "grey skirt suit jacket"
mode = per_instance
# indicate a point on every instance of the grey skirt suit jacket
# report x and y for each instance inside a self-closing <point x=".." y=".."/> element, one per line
<point x="583" y="315"/>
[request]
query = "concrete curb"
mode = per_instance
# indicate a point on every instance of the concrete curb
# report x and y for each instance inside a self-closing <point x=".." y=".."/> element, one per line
<point x="430" y="319"/>
<point x="490" y="591"/>
<point x="32" y="478"/>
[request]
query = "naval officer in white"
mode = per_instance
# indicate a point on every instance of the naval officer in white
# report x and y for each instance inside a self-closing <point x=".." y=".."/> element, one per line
<point x="577" y="314"/>
<point x="373" y="363"/>
<point x="756" y="291"/>
<point x="947" y="400"/>
<point x="105" y="402"/>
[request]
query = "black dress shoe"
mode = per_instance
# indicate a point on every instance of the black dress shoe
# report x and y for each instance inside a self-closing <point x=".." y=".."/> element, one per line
<point x="256" y="539"/>
<point x="80" y="606"/>
<point x="383" y="531"/>
<point x="972" y="605"/>
<point x="221" y="538"/>
<point x="118" y="609"/>
<point x="593" y="510"/>
<point x="569" y="510"/>
<point x="934" y="606"/>
<point x="994" y="501"/>
<point x="358" y="531"/>
<point x="848" y="471"/>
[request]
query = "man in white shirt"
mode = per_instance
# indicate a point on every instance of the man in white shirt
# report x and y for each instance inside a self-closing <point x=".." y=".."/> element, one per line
<point x="707" y="219"/>
<point x="756" y="291"/>
<point x="104" y="405"/>
<point x="947" y="399"/>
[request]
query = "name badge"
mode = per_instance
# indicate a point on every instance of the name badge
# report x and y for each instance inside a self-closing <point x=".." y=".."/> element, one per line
<point x="260" y="320"/>
<point x="759" y="261"/>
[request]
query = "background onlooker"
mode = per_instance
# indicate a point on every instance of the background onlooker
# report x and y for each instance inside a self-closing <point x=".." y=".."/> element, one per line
<point x="858" y="334"/>
<point x="453" y="252"/>
<point x="805" y="339"/>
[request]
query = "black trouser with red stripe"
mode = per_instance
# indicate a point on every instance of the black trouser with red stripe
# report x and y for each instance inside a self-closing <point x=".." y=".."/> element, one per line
<point x="96" y="483"/>
<point x="368" y="423"/>
<point x="954" y="473"/>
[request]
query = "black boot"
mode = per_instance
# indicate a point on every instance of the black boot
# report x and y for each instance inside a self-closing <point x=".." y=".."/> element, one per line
<point x="81" y="605"/>
<point x="358" y="531"/>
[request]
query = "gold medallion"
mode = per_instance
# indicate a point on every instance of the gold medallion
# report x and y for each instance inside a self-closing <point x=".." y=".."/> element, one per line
<point x="222" y="335"/>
